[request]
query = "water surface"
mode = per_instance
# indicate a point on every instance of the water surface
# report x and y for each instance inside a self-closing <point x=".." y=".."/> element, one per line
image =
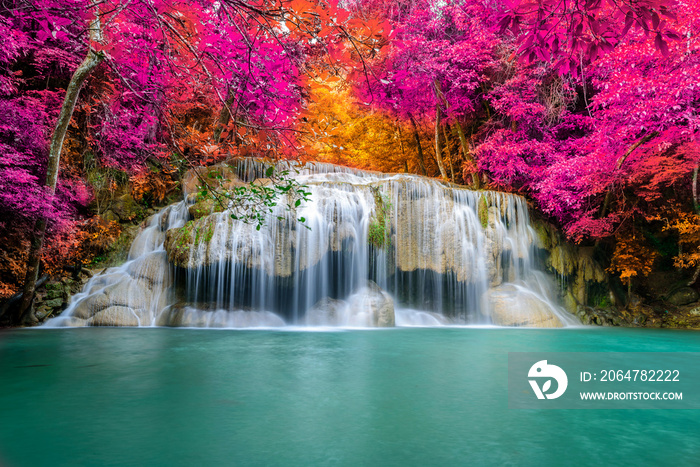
<point x="426" y="396"/>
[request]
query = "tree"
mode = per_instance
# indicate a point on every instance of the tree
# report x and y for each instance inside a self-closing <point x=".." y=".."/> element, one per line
<point x="573" y="34"/>
<point x="436" y="70"/>
<point x="156" y="73"/>
<point x="91" y="61"/>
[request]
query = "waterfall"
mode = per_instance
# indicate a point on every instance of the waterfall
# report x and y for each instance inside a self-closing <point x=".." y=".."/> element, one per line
<point x="374" y="250"/>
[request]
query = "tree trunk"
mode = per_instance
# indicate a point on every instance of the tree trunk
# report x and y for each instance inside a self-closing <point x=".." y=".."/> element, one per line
<point x="449" y="153"/>
<point x="696" y="205"/>
<point x="416" y="136"/>
<point x="403" y="150"/>
<point x="467" y="155"/>
<point x="438" y="144"/>
<point x="224" y="116"/>
<point x="92" y="59"/>
<point x="460" y="132"/>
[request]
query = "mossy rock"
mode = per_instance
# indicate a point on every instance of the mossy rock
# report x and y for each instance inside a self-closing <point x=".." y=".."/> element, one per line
<point x="124" y="207"/>
<point x="203" y="208"/>
<point x="54" y="303"/>
<point x="110" y="216"/>
<point x="483" y="212"/>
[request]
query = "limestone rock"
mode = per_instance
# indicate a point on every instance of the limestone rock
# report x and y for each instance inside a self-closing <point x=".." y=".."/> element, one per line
<point x="181" y="315"/>
<point x="214" y="177"/>
<point x="563" y="259"/>
<point x="55" y="303"/>
<point x="130" y="293"/>
<point x="203" y="208"/>
<point x="139" y="293"/>
<point x="177" y="316"/>
<point x="109" y="215"/>
<point x="114" y="316"/>
<point x="124" y="207"/>
<point x="514" y="307"/>
<point x="327" y="312"/>
<point x="165" y="218"/>
<point x="570" y="302"/>
<point x="374" y="305"/>
<point x="683" y="296"/>
<point x="218" y="238"/>
<point x="588" y="268"/>
<point x="91" y="305"/>
<point x="153" y="269"/>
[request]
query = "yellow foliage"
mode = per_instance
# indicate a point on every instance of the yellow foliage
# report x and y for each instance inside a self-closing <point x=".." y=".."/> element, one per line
<point x="632" y="257"/>
<point x="341" y="131"/>
<point x="157" y="184"/>
<point x="687" y="225"/>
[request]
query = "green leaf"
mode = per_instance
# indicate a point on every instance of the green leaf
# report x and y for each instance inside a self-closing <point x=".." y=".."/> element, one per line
<point x="269" y="171"/>
<point x="302" y="219"/>
<point x="297" y="203"/>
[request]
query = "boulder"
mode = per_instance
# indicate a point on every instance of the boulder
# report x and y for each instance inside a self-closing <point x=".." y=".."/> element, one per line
<point x="110" y="216"/>
<point x="114" y="316"/>
<point x="513" y="306"/>
<point x="164" y="219"/>
<point x="124" y="207"/>
<point x="371" y="306"/>
<point x="54" y="303"/>
<point x="153" y="269"/>
<point x="213" y="177"/>
<point x="326" y="312"/>
<point x="181" y="315"/>
<point x="130" y="293"/>
<point x="55" y="290"/>
<point x="42" y="312"/>
<point x="93" y="303"/>
<point x="683" y="296"/>
<point x="125" y="292"/>
<point x="203" y="208"/>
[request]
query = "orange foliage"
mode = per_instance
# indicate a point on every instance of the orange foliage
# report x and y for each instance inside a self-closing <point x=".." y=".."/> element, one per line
<point x="632" y="257"/>
<point x="80" y="245"/>
<point x="157" y="184"/>
<point x="341" y="131"/>
<point x="687" y="225"/>
<point x="13" y="258"/>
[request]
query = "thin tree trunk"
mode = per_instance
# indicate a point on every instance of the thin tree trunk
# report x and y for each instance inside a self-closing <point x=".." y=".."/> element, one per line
<point x="438" y="120"/>
<point x="696" y="205"/>
<point x="467" y="155"/>
<point x="224" y="116"/>
<point x="403" y="150"/>
<point x="462" y="138"/>
<point x="92" y="59"/>
<point x="416" y="136"/>
<point x="449" y="153"/>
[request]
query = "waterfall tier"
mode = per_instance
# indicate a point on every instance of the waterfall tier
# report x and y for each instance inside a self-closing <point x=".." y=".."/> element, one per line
<point x="373" y="250"/>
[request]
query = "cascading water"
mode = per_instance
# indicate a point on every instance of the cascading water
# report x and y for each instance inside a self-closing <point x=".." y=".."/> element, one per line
<point x="374" y="250"/>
